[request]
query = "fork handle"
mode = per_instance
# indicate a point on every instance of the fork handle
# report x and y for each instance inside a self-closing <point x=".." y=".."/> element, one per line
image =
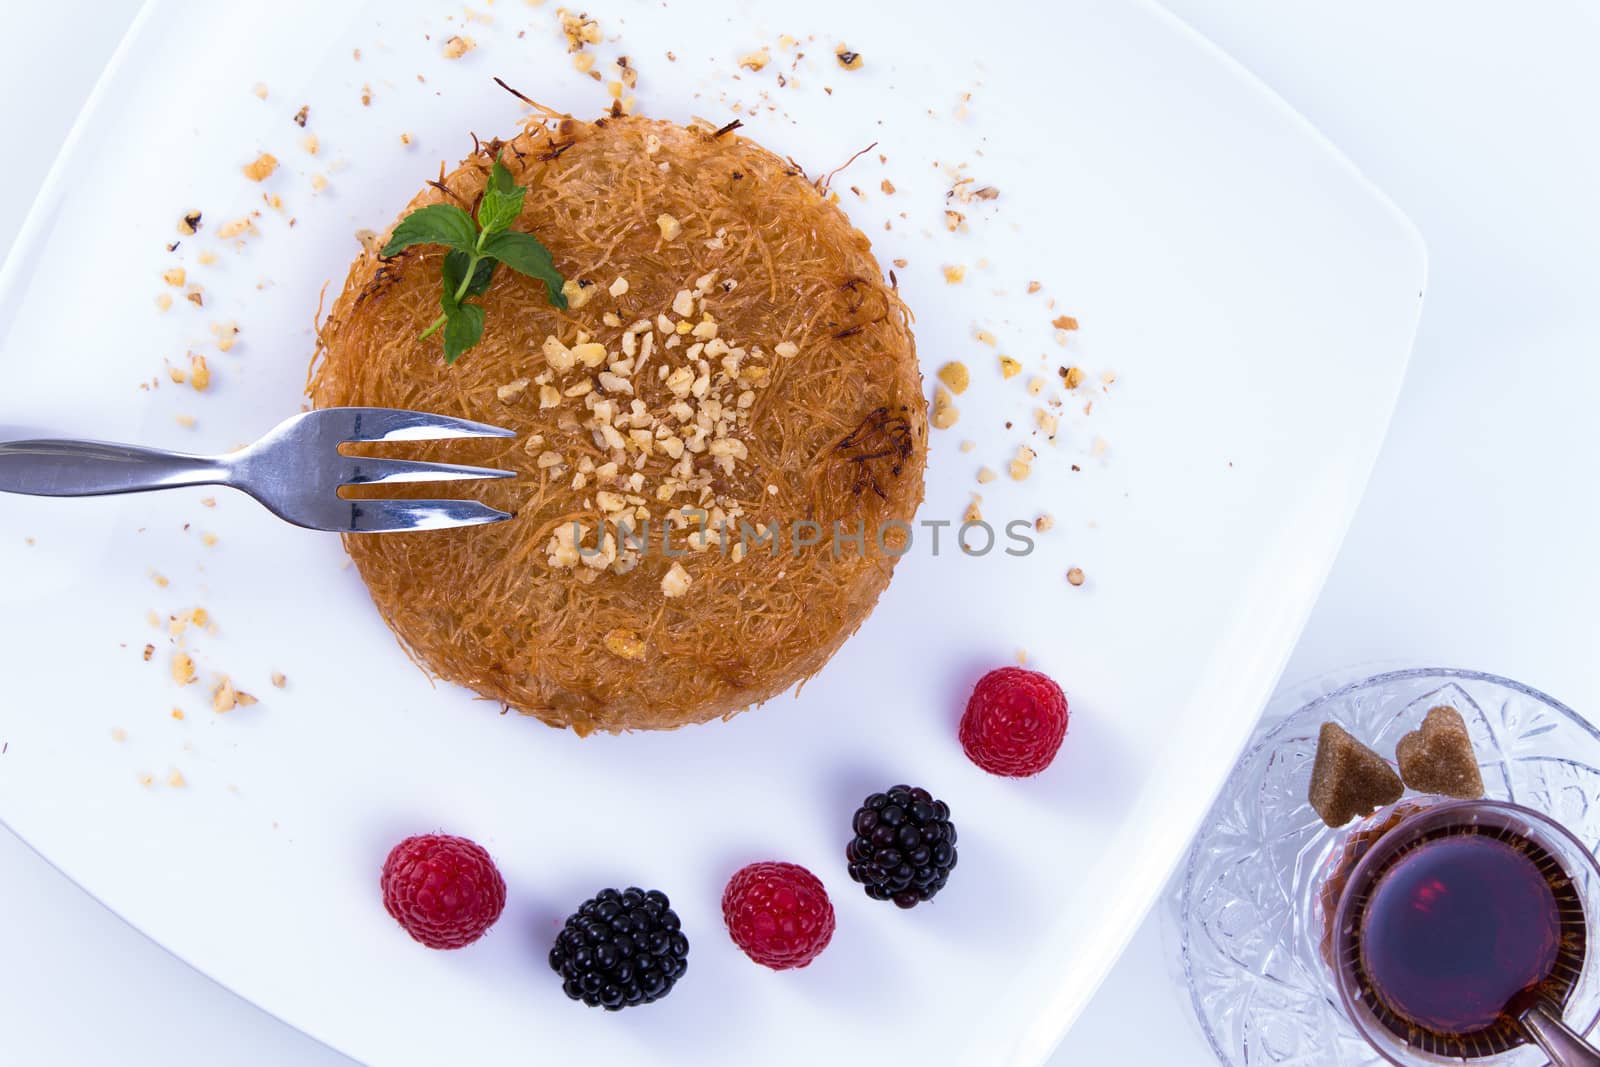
<point x="97" y="468"/>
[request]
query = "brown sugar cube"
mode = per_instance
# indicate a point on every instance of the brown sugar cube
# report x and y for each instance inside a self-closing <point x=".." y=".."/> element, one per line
<point x="1439" y="758"/>
<point x="1349" y="779"/>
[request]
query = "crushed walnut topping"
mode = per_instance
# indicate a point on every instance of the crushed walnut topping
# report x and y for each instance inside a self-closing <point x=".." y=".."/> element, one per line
<point x="1009" y="368"/>
<point x="945" y="413"/>
<point x="261" y="168"/>
<point x="956" y="376"/>
<point x="457" y="46"/>
<point x="189" y="223"/>
<point x="1022" y="465"/>
<point x="676" y="581"/>
<point x="579" y="30"/>
<point x="695" y="436"/>
<point x="625" y="644"/>
<point x="847" y="59"/>
<point x="756" y="60"/>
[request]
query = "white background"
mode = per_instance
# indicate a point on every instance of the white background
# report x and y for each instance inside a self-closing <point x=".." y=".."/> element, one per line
<point x="1475" y="545"/>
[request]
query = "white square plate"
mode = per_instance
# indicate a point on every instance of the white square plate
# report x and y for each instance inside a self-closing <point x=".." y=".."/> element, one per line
<point x="1254" y="296"/>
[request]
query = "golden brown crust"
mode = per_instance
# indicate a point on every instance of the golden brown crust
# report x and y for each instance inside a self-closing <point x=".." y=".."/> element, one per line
<point x="835" y="434"/>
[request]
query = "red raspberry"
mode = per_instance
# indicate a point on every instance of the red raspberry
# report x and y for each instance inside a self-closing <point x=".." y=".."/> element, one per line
<point x="444" y="890"/>
<point x="779" y="913"/>
<point x="1015" y="722"/>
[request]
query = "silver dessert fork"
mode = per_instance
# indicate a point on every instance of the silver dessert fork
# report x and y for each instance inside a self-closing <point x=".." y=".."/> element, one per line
<point x="296" y="470"/>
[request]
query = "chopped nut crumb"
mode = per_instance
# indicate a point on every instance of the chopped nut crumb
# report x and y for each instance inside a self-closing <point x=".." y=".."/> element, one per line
<point x="176" y="780"/>
<point x="311" y="143"/>
<point x="1075" y="576"/>
<point x="945" y="414"/>
<point x="1071" y="377"/>
<point x="163" y="302"/>
<point x="953" y="220"/>
<point x="670" y="227"/>
<point x="1036" y="386"/>
<point x="1034" y="287"/>
<point x="969" y="446"/>
<point x="986" y="475"/>
<point x="625" y="644"/>
<point x="301" y="115"/>
<point x="1064" y="322"/>
<point x="457" y="46"/>
<point x="618" y="287"/>
<point x="209" y="540"/>
<point x="512" y="389"/>
<point x="279" y="679"/>
<point x="1009" y="368"/>
<point x="1022" y="466"/>
<point x="189" y="224"/>
<point x="182" y="668"/>
<point x="974" y="512"/>
<point x="1044" y="523"/>
<point x="223" y="697"/>
<point x="955" y="275"/>
<point x="177" y="713"/>
<point x="887" y="186"/>
<point x="199" y="373"/>
<point x="847" y="59"/>
<point x="118" y="734"/>
<point x="955" y="375"/>
<point x="260" y="89"/>
<point x="755" y="60"/>
<point x="676" y="581"/>
<point x="261" y="168"/>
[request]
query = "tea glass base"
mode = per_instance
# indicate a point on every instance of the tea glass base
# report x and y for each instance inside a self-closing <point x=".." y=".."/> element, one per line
<point x="1248" y="920"/>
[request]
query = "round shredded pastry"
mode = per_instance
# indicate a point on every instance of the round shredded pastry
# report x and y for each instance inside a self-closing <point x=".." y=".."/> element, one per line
<point x="757" y="390"/>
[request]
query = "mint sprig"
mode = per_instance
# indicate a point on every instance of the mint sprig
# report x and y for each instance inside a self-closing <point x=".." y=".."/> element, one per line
<point x="476" y="247"/>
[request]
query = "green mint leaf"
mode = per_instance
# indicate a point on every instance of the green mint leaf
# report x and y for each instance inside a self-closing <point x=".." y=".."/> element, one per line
<point x="524" y="254"/>
<point x="463" y="328"/>
<point x="436" y="224"/>
<point x="455" y="268"/>
<point x="498" y="210"/>
<point x="500" y="177"/>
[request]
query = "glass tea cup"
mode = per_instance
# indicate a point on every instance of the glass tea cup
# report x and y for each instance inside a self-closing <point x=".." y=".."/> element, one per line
<point x="1462" y="931"/>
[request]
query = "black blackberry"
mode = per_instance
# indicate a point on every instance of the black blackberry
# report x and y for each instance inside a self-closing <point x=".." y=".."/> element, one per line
<point x="905" y="846"/>
<point x="620" y="949"/>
